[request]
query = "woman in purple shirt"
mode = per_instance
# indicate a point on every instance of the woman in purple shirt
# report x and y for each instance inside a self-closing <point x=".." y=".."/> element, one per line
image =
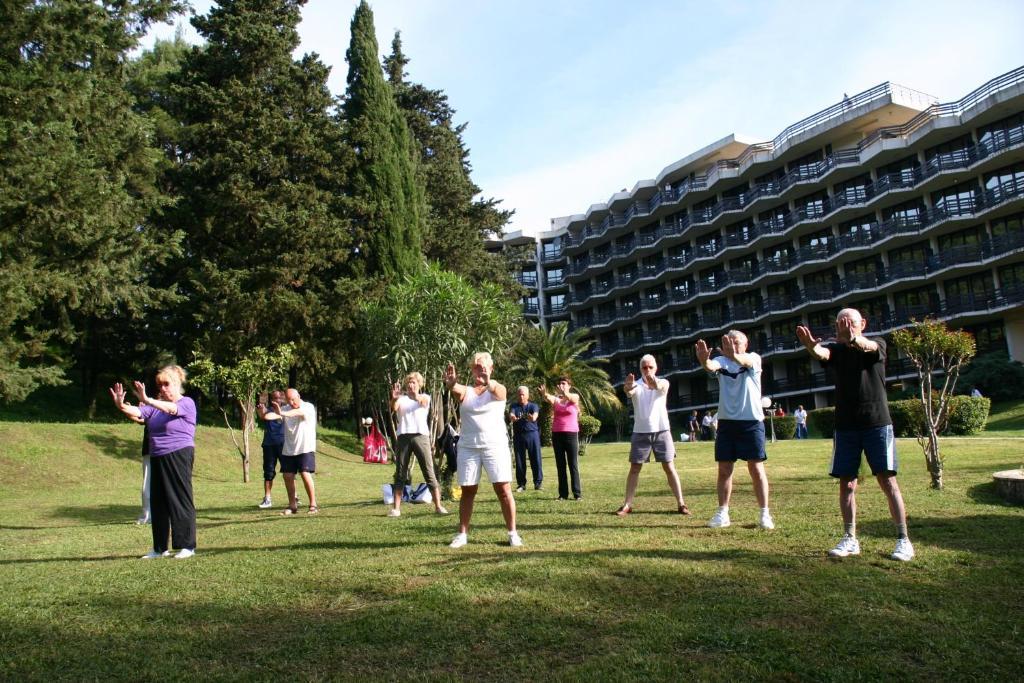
<point x="565" y="433"/>
<point x="171" y="421"/>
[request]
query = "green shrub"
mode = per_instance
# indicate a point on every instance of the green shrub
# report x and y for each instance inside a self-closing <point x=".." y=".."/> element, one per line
<point x="785" y="427"/>
<point x="589" y="427"/>
<point x="907" y="417"/>
<point x="995" y="375"/>
<point x="967" y="415"/>
<point x="822" y="421"/>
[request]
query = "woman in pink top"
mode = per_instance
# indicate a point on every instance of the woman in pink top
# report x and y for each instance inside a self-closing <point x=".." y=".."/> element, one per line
<point x="565" y="436"/>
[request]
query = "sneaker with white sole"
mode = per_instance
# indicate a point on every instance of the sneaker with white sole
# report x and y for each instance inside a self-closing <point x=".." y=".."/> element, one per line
<point x="265" y="504"/>
<point x="151" y="555"/>
<point x="719" y="520"/>
<point x="904" y="551"/>
<point x="848" y="545"/>
<point x="766" y="521"/>
<point x="459" y="541"/>
<point x="144" y="519"/>
<point x="441" y="510"/>
<point x="520" y="489"/>
<point x="168" y="553"/>
<point x="184" y="554"/>
<point x="514" y="540"/>
<point x="394" y="513"/>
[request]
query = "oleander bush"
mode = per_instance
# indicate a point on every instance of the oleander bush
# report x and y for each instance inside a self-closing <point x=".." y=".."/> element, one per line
<point x="822" y="421"/>
<point x="785" y="427"/>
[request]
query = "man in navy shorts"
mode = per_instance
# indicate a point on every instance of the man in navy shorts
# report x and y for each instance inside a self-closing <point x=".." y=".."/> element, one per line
<point x="740" y="422"/>
<point x="862" y="424"/>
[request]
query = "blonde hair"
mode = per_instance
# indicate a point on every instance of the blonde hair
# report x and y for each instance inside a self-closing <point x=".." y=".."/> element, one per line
<point x="416" y="376"/>
<point x="483" y="357"/>
<point x="172" y="373"/>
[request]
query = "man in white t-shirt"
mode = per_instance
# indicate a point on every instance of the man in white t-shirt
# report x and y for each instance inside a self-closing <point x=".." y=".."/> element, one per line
<point x="740" y="422"/>
<point x="801" y="422"/>
<point x="651" y="432"/>
<point x="299" y="453"/>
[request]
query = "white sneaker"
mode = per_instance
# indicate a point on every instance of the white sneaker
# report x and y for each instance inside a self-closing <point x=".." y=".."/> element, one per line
<point x="265" y="504"/>
<point x="766" y="521"/>
<point x="168" y="553"/>
<point x="904" y="551"/>
<point x="459" y="541"/>
<point x="394" y="513"/>
<point x="151" y="555"/>
<point x="144" y="519"/>
<point x="184" y="554"/>
<point x="441" y="510"/>
<point x="514" y="540"/>
<point x="520" y="489"/>
<point x="720" y="520"/>
<point x="848" y="545"/>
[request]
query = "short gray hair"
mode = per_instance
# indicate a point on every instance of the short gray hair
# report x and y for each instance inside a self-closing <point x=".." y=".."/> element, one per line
<point x="648" y="357"/>
<point x="737" y="336"/>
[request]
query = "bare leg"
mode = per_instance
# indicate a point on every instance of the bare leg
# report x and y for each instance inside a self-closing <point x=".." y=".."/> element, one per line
<point x="760" y="480"/>
<point x="508" y="504"/>
<point x="848" y="499"/>
<point x="891" y="489"/>
<point x="466" y="507"/>
<point x="631" y="481"/>
<point x="267" y="486"/>
<point x="307" y="482"/>
<point x="673" y="481"/>
<point x="725" y="483"/>
<point x="396" y="493"/>
<point x="289" y="486"/>
<point x="435" y="493"/>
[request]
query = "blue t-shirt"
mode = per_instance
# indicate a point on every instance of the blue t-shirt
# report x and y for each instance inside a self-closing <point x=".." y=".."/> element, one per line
<point x="273" y="431"/>
<point x="523" y="426"/>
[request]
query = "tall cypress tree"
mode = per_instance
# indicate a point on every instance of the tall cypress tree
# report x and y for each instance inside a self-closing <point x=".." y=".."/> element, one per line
<point x="77" y="174"/>
<point x="457" y="225"/>
<point x="259" y="172"/>
<point x="386" y="197"/>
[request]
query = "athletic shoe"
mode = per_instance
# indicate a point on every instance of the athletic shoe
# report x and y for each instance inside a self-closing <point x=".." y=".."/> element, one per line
<point x="720" y="520"/>
<point x="168" y="553"/>
<point x="848" y="545"/>
<point x="904" y="551"/>
<point x="766" y="521"/>
<point x="538" y="487"/>
<point x="184" y="554"/>
<point x="265" y="504"/>
<point x="514" y="540"/>
<point x="151" y="555"/>
<point x="459" y="541"/>
<point x="144" y="519"/>
<point x="441" y="510"/>
<point x="520" y="489"/>
<point x="394" y="513"/>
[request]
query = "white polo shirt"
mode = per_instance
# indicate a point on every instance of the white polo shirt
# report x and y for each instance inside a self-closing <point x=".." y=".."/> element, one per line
<point x="300" y="431"/>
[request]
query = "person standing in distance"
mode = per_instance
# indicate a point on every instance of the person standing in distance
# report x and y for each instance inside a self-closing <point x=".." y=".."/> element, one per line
<point x="298" y="456"/>
<point x="862" y="424"/>
<point x="651" y="433"/>
<point x="482" y="445"/>
<point x="801" y="422"/>
<point x="526" y="439"/>
<point x="273" y="443"/>
<point x="740" y="422"/>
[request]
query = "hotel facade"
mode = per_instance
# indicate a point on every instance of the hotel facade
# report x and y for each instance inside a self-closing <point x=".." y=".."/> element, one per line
<point x="887" y="201"/>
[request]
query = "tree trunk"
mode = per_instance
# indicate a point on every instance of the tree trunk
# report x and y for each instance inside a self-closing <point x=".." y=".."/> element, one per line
<point x="247" y="417"/>
<point x="934" y="458"/>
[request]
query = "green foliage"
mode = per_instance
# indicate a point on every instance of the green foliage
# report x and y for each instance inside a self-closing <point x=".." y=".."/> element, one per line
<point x="995" y="375"/>
<point x="76" y="188"/>
<point x="589" y="427"/>
<point x="385" y="194"/>
<point x="259" y="370"/>
<point x="966" y="416"/>
<point x="457" y="226"/>
<point x="785" y="427"/>
<point x="822" y="421"/>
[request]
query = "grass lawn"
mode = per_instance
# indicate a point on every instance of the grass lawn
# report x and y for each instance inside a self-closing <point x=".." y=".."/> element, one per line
<point x="352" y="594"/>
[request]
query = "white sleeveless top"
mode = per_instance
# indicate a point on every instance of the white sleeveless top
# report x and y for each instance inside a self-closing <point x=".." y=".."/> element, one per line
<point x="412" y="417"/>
<point x="483" y="420"/>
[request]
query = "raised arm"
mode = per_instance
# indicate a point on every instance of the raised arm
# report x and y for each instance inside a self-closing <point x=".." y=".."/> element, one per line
<point x="169" y="407"/>
<point x="451" y="380"/>
<point x="812" y="344"/>
<point x="704" y="357"/>
<point x="117" y="393"/>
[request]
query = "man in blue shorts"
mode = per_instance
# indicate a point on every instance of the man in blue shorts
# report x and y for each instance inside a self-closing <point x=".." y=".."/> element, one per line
<point x="651" y="432"/>
<point x="740" y="422"/>
<point x="862" y="424"/>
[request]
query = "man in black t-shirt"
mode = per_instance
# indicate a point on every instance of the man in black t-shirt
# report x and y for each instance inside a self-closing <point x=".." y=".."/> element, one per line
<point x="862" y="424"/>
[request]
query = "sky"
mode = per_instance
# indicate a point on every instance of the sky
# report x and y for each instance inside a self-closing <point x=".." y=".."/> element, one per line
<point x="570" y="101"/>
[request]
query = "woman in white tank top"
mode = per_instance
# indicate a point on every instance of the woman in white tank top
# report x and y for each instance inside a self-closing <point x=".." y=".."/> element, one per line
<point x="483" y="444"/>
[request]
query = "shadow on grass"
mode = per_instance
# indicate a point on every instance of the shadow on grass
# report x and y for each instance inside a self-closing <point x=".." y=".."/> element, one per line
<point x="990" y="534"/>
<point x="344" y="441"/>
<point x="117" y="446"/>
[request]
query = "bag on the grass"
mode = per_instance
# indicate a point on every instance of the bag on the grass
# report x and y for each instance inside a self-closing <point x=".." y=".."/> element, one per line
<point x="388" y="491"/>
<point x="421" y="494"/>
<point x="375" y="446"/>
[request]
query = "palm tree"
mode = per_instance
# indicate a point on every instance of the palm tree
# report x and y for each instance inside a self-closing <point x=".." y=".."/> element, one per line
<point x="542" y="357"/>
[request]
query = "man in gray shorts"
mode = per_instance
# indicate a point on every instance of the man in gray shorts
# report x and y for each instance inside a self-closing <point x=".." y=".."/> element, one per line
<point x="651" y="432"/>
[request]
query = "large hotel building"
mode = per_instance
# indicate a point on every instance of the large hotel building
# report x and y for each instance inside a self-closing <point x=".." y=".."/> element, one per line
<point x="887" y="201"/>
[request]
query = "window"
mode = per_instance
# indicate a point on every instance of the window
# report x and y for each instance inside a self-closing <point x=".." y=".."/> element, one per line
<point x="970" y="290"/>
<point x="909" y="213"/>
<point x="916" y="302"/>
<point x="682" y="288"/>
<point x="1012" y="276"/>
<point x="554" y="277"/>
<point x="556" y="304"/>
<point x="1008" y="225"/>
<point x="957" y="200"/>
<point x="709" y="245"/>
<point x="739" y="233"/>
<point x="812" y="206"/>
<point x="1009" y="131"/>
<point x="962" y="238"/>
<point x="853" y="191"/>
<point x="949" y="154"/>
<point x="912" y="253"/>
<point x="989" y="338"/>
<point x="1005" y="182"/>
<point x="820" y="239"/>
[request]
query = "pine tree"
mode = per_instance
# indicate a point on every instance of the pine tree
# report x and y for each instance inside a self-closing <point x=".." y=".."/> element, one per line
<point x="77" y="175"/>
<point x="386" y="197"/>
<point x="259" y="172"/>
<point x="457" y="225"/>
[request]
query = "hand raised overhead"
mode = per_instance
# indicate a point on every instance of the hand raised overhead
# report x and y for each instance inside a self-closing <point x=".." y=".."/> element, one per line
<point x="806" y="337"/>
<point x="396" y="391"/>
<point x="702" y="350"/>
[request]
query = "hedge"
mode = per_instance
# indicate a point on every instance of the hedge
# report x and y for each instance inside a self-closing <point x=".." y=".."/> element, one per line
<point x="785" y="427"/>
<point x="589" y="427"/>
<point x="967" y="416"/>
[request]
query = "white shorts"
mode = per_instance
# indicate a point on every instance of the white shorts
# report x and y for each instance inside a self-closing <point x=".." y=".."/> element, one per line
<point x="496" y="459"/>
